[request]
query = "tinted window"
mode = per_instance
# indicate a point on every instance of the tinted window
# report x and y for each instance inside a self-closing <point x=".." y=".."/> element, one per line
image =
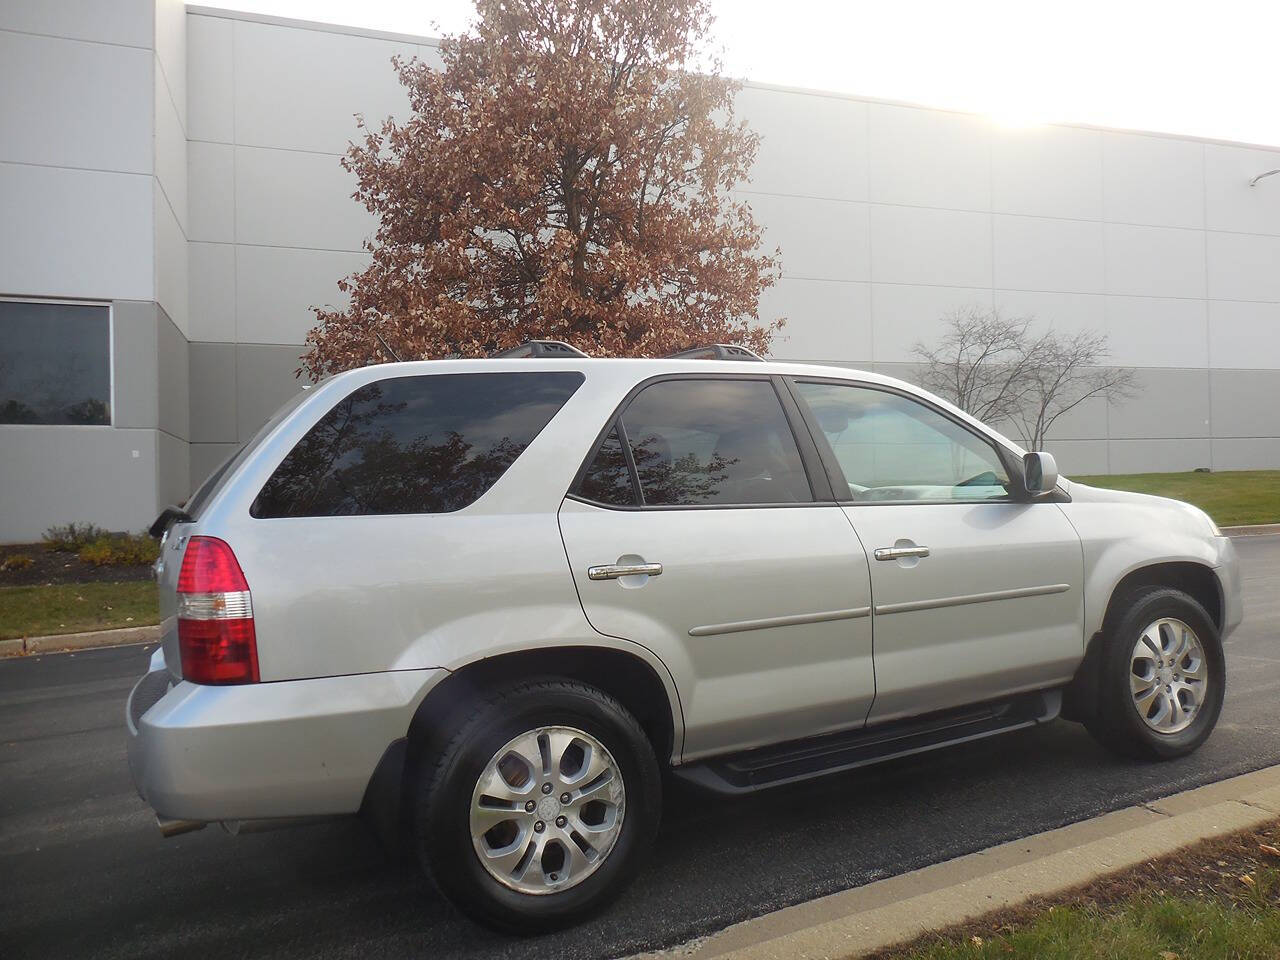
<point x="608" y="478"/>
<point x="894" y="448"/>
<point x="56" y="363"/>
<point x="414" y="444"/>
<point x="714" y="442"/>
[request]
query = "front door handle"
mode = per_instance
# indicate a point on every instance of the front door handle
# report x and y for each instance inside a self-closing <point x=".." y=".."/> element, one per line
<point x="898" y="553"/>
<point x="612" y="571"/>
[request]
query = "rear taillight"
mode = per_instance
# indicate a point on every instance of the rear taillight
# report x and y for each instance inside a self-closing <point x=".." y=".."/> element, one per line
<point x="215" y="616"/>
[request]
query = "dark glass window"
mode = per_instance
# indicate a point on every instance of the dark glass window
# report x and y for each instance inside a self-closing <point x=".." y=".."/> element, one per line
<point x="414" y="444"/>
<point x="608" y="479"/>
<point x="56" y="363"/>
<point x="698" y="442"/>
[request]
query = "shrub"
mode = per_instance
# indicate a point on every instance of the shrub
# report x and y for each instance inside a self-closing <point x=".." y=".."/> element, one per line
<point x="16" y="561"/>
<point x="121" y="550"/>
<point x="72" y="537"/>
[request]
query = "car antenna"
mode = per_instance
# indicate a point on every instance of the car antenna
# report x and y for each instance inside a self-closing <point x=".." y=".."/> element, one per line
<point x="387" y="348"/>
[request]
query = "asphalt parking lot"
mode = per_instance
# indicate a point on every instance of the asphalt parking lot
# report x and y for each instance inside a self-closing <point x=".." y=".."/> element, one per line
<point x="85" y="873"/>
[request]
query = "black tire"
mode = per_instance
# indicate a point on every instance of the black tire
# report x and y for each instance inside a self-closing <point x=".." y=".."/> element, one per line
<point x="443" y="795"/>
<point x="1116" y="722"/>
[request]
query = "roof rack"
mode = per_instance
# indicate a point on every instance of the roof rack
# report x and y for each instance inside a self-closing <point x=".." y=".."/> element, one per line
<point x="539" y="348"/>
<point x="717" y="351"/>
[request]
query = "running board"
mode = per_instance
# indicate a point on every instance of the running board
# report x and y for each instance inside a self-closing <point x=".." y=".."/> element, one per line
<point x="773" y="766"/>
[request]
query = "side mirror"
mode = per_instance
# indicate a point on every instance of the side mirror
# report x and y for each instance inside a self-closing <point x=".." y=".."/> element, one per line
<point x="1040" y="473"/>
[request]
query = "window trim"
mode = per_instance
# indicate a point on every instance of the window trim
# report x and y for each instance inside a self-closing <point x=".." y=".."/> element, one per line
<point x="111" y="357"/>
<point x="810" y="461"/>
<point x="1011" y="463"/>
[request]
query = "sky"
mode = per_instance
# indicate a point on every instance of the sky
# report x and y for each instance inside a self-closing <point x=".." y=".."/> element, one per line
<point x="1206" y="69"/>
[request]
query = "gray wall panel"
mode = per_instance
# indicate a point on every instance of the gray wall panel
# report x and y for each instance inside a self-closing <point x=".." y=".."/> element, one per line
<point x="207" y="457"/>
<point x="173" y="377"/>
<point x="213" y="393"/>
<point x="1167" y="404"/>
<point x="264" y="380"/>
<point x="1158" y="456"/>
<point x="173" y="469"/>
<point x="1246" y="403"/>
<point x="135" y="376"/>
<point x="1261" y="454"/>
<point x="1079" y="456"/>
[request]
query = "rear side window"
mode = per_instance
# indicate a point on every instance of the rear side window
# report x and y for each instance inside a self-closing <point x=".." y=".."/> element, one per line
<point x="430" y="444"/>
<point x="713" y="442"/>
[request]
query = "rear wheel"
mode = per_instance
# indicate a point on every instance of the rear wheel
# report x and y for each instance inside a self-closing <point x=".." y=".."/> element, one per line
<point x="1163" y="676"/>
<point x="540" y="808"/>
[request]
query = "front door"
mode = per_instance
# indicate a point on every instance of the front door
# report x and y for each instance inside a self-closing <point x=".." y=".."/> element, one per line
<point x="696" y="532"/>
<point x="977" y="589"/>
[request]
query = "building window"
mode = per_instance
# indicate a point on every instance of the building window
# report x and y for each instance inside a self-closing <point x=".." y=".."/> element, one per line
<point x="55" y="366"/>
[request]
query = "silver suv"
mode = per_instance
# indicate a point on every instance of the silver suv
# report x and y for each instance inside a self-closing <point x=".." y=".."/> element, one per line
<point x="490" y="603"/>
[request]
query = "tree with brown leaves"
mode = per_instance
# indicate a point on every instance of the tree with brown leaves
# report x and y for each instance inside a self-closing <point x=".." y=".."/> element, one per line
<point x="566" y="175"/>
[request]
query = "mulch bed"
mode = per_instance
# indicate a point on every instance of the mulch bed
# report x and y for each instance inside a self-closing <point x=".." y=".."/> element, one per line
<point x="1210" y="870"/>
<point x="52" y="567"/>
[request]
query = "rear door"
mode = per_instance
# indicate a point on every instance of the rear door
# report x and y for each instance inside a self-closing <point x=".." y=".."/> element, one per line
<point x="697" y="531"/>
<point x="978" y="590"/>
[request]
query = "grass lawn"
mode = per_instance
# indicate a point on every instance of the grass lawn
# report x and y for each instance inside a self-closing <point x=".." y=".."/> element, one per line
<point x="1218" y="900"/>
<point x="1231" y="498"/>
<point x="71" y="607"/>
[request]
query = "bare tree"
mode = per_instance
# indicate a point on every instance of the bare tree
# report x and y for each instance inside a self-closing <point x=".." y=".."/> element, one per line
<point x="991" y="366"/>
<point x="980" y="364"/>
<point x="1064" y="371"/>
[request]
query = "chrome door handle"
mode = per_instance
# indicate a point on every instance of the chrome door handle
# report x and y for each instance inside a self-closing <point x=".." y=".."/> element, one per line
<point x="897" y="553"/>
<point x="612" y="571"/>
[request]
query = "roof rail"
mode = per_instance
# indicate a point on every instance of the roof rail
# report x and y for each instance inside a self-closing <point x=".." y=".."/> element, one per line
<point x="539" y="348"/>
<point x="716" y="351"/>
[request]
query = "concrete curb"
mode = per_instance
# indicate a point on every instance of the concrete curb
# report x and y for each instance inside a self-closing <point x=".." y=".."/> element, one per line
<point x="79" y="641"/>
<point x="898" y="909"/>
<point x="1251" y="530"/>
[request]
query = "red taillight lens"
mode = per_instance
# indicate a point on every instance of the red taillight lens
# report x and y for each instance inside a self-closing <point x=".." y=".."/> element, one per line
<point x="215" y="616"/>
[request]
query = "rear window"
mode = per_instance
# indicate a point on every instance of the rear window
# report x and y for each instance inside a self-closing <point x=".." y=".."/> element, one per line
<point x="430" y="444"/>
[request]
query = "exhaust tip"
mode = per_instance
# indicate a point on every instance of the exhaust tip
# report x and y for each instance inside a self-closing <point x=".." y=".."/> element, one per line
<point x="173" y="828"/>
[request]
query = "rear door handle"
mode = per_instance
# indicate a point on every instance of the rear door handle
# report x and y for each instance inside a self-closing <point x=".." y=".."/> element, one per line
<point x="898" y="553"/>
<point x="612" y="571"/>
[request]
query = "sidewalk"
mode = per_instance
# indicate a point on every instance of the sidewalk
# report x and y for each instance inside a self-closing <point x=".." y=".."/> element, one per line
<point x="887" y="912"/>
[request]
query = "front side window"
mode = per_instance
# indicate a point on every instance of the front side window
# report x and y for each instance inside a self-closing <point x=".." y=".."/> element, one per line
<point x="890" y="447"/>
<point x="713" y="442"/>
<point x="430" y="444"/>
<point x="56" y="363"/>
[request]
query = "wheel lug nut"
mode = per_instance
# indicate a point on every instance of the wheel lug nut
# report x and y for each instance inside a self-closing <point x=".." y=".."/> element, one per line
<point x="565" y="798"/>
<point x="539" y="827"/>
<point x="553" y="877"/>
<point x="561" y="821"/>
<point x="530" y="806"/>
<point x="546" y="788"/>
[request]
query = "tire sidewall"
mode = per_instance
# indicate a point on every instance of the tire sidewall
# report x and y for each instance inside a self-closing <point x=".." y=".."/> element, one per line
<point x="442" y="814"/>
<point x="1117" y="707"/>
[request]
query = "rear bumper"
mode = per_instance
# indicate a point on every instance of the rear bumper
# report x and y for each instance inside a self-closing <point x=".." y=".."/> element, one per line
<point x="286" y="749"/>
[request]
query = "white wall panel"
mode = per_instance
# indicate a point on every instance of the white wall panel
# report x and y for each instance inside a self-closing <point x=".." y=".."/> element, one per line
<point x="820" y="239"/>
<point x="903" y="314"/>
<point x="171" y="154"/>
<point x="1152" y="180"/>
<point x="171" y="51"/>
<point x="125" y="22"/>
<point x="1065" y="312"/>
<point x="75" y="104"/>
<point x="1155" y="261"/>
<point x="1154" y="332"/>
<point x="811" y="146"/>
<point x="300" y="89"/>
<point x="211" y="199"/>
<point x="1047" y="172"/>
<point x="1037" y="254"/>
<point x="1244" y="266"/>
<point x="828" y="320"/>
<point x="83" y="233"/>
<point x="291" y="199"/>
<point x="276" y="288"/>
<point x="210" y="78"/>
<point x="212" y="292"/>
<point x="929" y="158"/>
<point x="1230" y="202"/>
<point x="171" y="266"/>
<point x="917" y="245"/>
<point x="1245" y="335"/>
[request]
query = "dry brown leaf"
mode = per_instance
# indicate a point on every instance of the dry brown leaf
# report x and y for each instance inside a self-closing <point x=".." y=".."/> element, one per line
<point x="976" y="940"/>
<point x="1247" y="880"/>
<point x="1269" y="850"/>
<point x="1168" y="955"/>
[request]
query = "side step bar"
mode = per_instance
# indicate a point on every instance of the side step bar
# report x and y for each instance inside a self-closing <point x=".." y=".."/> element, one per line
<point x="804" y="759"/>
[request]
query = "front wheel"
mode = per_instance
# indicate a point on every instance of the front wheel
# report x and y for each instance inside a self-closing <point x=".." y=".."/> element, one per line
<point x="540" y="808"/>
<point x="1163" y="677"/>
